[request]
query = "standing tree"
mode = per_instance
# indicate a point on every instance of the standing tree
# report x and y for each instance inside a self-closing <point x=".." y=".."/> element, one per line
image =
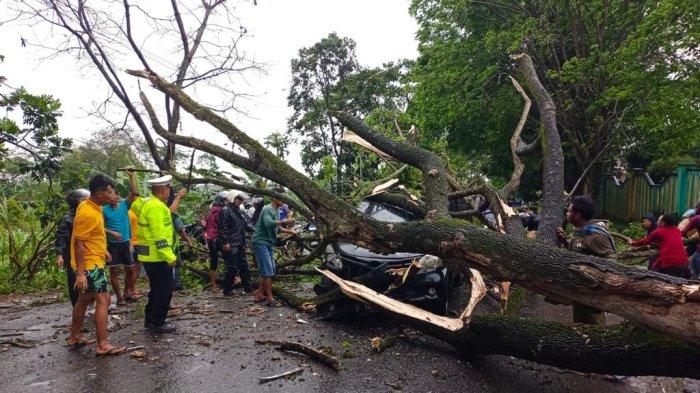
<point x="327" y="76"/>
<point x="279" y="143"/>
<point x="622" y="76"/>
<point x="196" y="48"/>
<point x="319" y="75"/>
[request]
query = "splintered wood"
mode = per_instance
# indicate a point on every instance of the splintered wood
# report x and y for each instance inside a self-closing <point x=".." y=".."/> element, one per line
<point x="362" y="293"/>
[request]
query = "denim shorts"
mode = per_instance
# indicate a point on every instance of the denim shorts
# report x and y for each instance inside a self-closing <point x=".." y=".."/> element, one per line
<point x="265" y="259"/>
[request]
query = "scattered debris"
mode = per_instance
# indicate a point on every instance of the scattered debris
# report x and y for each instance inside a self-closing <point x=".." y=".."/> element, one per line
<point x="394" y="386"/>
<point x="138" y="355"/>
<point x="255" y="310"/>
<point x="317" y="355"/>
<point x="299" y="320"/>
<point x="381" y="343"/>
<point x="18" y="342"/>
<point x="282" y="375"/>
<point x="135" y="348"/>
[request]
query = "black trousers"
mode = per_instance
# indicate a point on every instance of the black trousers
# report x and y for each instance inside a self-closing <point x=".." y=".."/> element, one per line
<point x="70" y="278"/>
<point x="235" y="261"/>
<point x="160" y="279"/>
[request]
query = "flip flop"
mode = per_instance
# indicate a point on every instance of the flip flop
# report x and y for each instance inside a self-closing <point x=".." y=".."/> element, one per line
<point x="80" y="342"/>
<point x="114" y="351"/>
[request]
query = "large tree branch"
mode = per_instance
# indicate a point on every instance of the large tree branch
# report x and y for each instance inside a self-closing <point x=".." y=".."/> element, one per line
<point x="329" y="210"/>
<point x="515" y="141"/>
<point x="435" y="183"/>
<point x="553" y="165"/>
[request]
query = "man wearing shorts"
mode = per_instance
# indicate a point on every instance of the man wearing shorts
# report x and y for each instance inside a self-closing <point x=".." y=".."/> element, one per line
<point x="88" y="254"/>
<point x="264" y="236"/>
<point x="118" y="229"/>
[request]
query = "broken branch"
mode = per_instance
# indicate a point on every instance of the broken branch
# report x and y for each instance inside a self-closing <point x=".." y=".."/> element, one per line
<point x="314" y="354"/>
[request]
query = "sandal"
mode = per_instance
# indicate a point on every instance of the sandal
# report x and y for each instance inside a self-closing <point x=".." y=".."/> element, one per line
<point x="80" y="342"/>
<point x="111" y="352"/>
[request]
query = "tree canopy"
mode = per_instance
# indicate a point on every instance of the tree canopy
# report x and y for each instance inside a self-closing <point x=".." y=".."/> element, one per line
<point x="621" y="74"/>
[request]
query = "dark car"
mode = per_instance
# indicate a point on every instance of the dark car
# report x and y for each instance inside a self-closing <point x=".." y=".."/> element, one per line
<point x="429" y="288"/>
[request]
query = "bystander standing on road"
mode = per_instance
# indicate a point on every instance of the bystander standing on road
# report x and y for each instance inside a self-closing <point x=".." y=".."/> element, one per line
<point x="88" y="255"/>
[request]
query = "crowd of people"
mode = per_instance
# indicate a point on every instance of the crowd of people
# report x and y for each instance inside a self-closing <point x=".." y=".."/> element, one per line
<point x="103" y="230"/>
<point x="673" y="258"/>
<point x="674" y="236"/>
<point x="226" y="227"/>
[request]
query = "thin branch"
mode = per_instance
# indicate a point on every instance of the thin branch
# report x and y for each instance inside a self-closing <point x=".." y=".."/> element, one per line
<point x="515" y="140"/>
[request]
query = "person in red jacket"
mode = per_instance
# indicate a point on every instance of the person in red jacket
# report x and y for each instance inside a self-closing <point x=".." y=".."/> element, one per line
<point x="672" y="259"/>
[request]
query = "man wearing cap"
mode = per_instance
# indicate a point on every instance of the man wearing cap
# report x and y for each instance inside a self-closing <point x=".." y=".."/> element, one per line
<point x="232" y="228"/>
<point x="155" y="251"/>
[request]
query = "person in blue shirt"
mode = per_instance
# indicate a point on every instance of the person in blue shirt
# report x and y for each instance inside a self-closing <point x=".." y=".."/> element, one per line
<point x="118" y="229"/>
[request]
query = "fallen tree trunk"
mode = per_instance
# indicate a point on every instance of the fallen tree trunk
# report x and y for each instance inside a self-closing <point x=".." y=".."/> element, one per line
<point x="668" y="304"/>
<point x="625" y="349"/>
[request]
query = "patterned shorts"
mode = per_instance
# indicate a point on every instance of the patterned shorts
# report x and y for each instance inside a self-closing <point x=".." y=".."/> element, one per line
<point x="97" y="280"/>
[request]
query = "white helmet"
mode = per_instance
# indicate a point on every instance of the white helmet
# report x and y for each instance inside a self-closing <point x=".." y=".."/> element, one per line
<point x="223" y="195"/>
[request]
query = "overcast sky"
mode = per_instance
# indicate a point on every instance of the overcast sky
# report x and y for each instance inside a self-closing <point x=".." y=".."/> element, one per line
<point x="383" y="30"/>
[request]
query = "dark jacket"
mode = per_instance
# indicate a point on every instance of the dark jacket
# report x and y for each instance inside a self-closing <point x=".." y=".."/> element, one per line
<point x="63" y="233"/>
<point x="233" y="226"/>
<point x="652" y="218"/>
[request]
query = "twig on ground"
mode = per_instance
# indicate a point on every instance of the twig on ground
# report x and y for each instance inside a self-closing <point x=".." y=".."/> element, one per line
<point x="282" y="375"/>
<point x="314" y="354"/>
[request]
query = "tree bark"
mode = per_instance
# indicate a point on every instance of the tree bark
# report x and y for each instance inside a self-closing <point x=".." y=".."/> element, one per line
<point x="435" y="183"/>
<point x="621" y="350"/>
<point x="553" y="163"/>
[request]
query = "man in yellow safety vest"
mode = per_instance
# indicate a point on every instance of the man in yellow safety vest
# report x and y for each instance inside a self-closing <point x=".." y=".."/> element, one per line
<point x="155" y="251"/>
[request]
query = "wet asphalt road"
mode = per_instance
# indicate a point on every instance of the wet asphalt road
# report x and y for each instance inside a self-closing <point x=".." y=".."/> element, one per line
<point x="214" y="351"/>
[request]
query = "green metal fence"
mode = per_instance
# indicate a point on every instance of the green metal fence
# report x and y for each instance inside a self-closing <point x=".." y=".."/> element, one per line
<point x="638" y="194"/>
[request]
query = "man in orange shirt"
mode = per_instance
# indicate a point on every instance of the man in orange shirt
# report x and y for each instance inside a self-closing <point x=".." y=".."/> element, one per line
<point x="88" y="255"/>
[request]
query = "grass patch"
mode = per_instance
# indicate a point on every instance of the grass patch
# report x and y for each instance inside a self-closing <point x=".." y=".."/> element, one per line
<point x="47" y="279"/>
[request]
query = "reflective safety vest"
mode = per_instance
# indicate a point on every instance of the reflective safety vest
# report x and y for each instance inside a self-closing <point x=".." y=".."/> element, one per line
<point x="155" y="231"/>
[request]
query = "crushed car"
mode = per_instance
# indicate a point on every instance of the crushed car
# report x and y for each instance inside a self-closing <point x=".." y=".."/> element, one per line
<point x="417" y="279"/>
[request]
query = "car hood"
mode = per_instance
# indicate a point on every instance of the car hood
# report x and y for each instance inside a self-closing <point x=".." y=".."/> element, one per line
<point x="355" y="252"/>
